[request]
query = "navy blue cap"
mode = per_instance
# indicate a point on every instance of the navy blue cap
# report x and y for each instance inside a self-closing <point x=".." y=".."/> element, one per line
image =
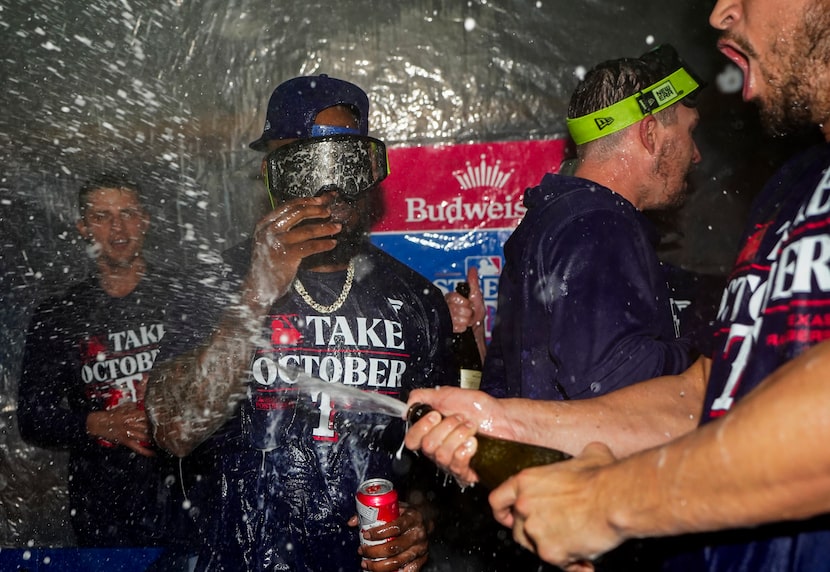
<point x="295" y="104"/>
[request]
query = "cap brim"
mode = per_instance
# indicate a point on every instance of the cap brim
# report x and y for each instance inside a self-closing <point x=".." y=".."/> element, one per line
<point x="260" y="144"/>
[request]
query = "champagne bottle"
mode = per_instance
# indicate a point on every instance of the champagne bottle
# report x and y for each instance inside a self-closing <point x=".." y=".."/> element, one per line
<point x="496" y="459"/>
<point x="466" y="350"/>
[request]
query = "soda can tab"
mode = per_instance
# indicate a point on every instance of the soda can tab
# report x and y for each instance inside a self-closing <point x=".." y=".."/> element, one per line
<point x="377" y="503"/>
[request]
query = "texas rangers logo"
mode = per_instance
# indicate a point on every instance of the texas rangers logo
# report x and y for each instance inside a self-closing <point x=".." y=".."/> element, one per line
<point x="284" y="332"/>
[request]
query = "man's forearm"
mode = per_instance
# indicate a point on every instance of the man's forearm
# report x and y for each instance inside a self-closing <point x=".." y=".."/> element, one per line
<point x="191" y="396"/>
<point x="636" y="417"/>
<point x="767" y="460"/>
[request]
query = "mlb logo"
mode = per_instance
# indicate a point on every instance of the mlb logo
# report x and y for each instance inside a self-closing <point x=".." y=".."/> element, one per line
<point x="486" y="265"/>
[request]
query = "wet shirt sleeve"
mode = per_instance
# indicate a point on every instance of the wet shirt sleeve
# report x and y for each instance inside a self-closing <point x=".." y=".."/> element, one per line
<point x="46" y="382"/>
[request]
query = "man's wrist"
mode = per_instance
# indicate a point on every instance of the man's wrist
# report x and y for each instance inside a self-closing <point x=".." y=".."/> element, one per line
<point x="95" y="421"/>
<point x="627" y="492"/>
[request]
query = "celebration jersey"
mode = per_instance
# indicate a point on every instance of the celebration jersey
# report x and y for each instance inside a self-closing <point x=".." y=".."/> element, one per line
<point x="292" y="460"/>
<point x="776" y="305"/>
<point x="87" y="351"/>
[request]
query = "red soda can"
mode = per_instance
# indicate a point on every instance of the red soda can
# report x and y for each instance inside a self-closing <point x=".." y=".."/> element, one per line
<point x="377" y="503"/>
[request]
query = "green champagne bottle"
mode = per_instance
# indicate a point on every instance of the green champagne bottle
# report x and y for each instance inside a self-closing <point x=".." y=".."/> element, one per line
<point x="496" y="460"/>
<point x="465" y="348"/>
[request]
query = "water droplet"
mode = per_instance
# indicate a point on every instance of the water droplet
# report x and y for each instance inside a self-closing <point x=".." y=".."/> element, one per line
<point x="730" y="80"/>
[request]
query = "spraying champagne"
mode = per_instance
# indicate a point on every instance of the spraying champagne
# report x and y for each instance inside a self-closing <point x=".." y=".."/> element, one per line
<point x="496" y="460"/>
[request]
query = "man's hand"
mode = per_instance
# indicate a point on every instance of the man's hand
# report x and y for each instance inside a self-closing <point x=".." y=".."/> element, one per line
<point x="559" y="511"/>
<point x="467" y="312"/>
<point x="449" y="441"/>
<point x="281" y="242"/>
<point x="407" y="550"/>
<point x="126" y="424"/>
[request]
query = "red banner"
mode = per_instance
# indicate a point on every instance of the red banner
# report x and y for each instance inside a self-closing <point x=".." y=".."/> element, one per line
<point x="470" y="186"/>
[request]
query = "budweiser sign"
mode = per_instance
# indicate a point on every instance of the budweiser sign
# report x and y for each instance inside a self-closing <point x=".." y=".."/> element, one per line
<point x="457" y="187"/>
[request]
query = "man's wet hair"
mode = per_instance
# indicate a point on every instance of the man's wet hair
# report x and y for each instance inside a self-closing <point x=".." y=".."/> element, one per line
<point x="108" y="180"/>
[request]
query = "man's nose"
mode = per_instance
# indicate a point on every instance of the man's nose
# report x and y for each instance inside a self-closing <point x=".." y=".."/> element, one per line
<point x="725" y="14"/>
<point x="697" y="157"/>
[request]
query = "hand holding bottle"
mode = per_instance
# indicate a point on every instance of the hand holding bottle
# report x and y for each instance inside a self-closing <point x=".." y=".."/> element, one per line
<point x="125" y="424"/>
<point x="467" y="311"/>
<point x="469" y="441"/>
<point x="464" y="346"/>
<point x="495" y="460"/>
<point x="563" y="512"/>
<point x="448" y="441"/>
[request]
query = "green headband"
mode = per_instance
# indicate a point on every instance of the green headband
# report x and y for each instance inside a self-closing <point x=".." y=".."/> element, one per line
<point x="632" y="109"/>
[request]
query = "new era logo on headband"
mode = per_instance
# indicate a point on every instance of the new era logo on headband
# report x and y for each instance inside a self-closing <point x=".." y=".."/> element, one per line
<point x="603" y="122"/>
<point x="658" y="96"/>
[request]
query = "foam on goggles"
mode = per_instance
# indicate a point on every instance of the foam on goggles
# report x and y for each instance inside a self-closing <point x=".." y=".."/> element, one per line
<point x="347" y="164"/>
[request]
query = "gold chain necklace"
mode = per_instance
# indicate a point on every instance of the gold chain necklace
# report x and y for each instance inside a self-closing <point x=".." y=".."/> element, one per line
<point x="347" y="287"/>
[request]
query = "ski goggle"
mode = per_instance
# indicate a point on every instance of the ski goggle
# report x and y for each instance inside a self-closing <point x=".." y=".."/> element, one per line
<point x="682" y="82"/>
<point x="347" y="164"/>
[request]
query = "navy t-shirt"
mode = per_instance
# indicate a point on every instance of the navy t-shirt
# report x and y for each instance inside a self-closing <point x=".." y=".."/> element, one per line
<point x="87" y="351"/>
<point x="291" y="461"/>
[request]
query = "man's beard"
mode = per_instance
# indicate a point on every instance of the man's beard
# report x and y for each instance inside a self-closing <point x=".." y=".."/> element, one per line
<point x="797" y="103"/>
<point x="790" y="113"/>
<point x="667" y="161"/>
<point x="349" y="244"/>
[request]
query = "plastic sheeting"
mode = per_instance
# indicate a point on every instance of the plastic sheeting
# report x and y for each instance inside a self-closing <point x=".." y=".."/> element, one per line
<point x="176" y="88"/>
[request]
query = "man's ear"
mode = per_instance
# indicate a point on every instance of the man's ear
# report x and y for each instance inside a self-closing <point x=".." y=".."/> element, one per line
<point x="648" y="134"/>
<point x="82" y="229"/>
<point x="145" y="221"/>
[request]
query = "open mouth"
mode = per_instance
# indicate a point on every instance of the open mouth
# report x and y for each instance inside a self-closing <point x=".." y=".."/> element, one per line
<point x="739" y="59"/>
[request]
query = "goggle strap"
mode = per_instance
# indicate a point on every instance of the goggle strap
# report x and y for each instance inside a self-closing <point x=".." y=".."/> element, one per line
<point x="264" y="171"/>
<point x="324" y="130"/>
<point x="632" y="109"/>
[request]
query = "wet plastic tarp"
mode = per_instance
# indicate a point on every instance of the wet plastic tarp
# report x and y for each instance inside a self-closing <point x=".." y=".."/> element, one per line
<point x="177" y="89"/>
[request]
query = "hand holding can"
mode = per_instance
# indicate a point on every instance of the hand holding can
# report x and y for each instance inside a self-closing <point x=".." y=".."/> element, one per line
<point x="377" y="504"/>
